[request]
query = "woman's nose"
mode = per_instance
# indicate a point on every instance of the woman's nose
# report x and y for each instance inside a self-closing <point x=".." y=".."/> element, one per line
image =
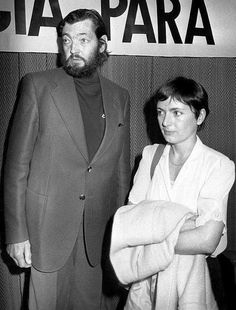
<point x="166" y="120"/>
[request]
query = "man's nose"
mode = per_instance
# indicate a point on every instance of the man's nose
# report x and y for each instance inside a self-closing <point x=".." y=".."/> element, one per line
<point x="75" y="47"/>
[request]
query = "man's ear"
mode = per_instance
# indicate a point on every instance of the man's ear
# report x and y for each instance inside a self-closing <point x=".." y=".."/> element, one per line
<point x="103" y="41"/>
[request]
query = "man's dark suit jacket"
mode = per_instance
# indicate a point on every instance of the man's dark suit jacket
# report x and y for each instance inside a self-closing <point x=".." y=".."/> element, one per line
<point x="50" y="185"/>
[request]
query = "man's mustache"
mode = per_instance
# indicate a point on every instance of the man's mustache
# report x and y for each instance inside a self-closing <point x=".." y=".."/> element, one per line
<point x="76" y="57"/>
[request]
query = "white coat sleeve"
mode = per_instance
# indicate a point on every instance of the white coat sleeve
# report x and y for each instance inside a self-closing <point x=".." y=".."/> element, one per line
<point x="142" y="177"/>
<point x="213" y="197"/>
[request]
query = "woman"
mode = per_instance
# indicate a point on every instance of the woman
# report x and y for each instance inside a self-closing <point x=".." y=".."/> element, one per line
<point x="190" y="174"/>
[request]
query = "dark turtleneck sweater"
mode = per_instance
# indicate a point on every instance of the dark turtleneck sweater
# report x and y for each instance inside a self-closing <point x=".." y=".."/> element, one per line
<point x="90" y="100"/>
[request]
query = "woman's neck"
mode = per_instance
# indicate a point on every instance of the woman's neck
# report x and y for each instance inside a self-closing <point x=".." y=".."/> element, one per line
<point x="179" y="153"/>
<point x="178" y="156"/>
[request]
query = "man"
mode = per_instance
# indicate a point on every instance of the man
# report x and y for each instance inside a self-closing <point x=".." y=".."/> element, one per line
<point x="67" y="169"/>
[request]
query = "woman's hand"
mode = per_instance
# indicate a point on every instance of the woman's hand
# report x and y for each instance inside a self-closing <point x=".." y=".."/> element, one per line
<point x="190" y="223"/>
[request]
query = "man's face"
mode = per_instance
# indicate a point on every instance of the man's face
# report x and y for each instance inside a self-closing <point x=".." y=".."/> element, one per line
<point x="81" y="48"/>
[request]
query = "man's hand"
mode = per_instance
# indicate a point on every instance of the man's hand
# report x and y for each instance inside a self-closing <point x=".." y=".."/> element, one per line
<point x="20" y="253"/>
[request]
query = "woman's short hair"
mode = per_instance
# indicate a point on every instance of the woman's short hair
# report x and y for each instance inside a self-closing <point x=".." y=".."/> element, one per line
<point x="187" y="91"/>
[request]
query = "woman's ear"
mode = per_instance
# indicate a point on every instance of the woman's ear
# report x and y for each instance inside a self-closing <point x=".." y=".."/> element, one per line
<point x="201" y="117"/>
<point x="103" y="46"/>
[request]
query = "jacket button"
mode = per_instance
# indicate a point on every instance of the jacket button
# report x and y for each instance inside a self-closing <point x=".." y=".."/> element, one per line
<point x="89" y="169"/>
<point x="82" y="197"/>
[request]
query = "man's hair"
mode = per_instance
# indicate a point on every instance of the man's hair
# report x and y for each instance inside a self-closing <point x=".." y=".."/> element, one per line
<point x="83" y="14"/>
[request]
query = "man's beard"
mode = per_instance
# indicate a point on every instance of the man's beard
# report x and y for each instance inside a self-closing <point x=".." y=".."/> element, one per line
<point x="89" y="67"/>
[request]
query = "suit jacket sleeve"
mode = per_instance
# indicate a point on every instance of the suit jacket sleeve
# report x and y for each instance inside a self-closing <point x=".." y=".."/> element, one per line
<point x="21" y="144"/>
<point x="124" y="161"/>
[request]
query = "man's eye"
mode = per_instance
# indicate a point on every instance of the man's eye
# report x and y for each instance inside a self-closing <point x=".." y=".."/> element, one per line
<point x="66" y="40"/>
<point x="83" y="40"/>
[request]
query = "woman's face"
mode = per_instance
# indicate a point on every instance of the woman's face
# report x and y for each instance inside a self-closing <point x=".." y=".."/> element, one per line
<point x="177" y="121"/>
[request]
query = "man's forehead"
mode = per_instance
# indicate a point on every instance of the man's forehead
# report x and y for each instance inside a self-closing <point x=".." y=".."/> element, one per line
<point x="80" y="27"/>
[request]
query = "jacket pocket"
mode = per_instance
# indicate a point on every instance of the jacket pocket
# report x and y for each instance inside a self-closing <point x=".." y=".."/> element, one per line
<point x="35" y="211"/>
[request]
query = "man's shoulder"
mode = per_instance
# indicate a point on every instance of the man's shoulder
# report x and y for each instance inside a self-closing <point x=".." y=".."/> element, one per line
<point x="52" y="77"/>
<point x="50" y="73"/>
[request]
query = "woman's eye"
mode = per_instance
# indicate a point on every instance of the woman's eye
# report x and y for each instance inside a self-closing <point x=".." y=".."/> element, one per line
<point x="178" y="113"/>
<point x="160" y="112"/>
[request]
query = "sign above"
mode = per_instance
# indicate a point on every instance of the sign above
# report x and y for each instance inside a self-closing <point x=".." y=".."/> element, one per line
<point x="191" y="28"/>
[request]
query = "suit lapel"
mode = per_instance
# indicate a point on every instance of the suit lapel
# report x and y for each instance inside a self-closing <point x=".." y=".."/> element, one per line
<point x="111" y="114"/>
<point x="66" y="101"/>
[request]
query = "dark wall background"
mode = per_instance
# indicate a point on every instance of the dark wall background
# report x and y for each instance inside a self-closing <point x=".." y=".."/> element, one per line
<point x="141" y="76"/>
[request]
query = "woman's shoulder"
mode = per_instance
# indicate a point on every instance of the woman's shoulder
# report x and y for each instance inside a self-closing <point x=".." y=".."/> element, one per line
<point x="149" y="152"/>
<point x="215" y="157"/>
<point x="150" y="149"/>
<point x="211" y="152"/>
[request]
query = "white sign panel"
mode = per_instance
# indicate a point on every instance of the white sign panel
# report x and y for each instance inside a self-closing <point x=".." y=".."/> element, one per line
<point x="192" y="28"/>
